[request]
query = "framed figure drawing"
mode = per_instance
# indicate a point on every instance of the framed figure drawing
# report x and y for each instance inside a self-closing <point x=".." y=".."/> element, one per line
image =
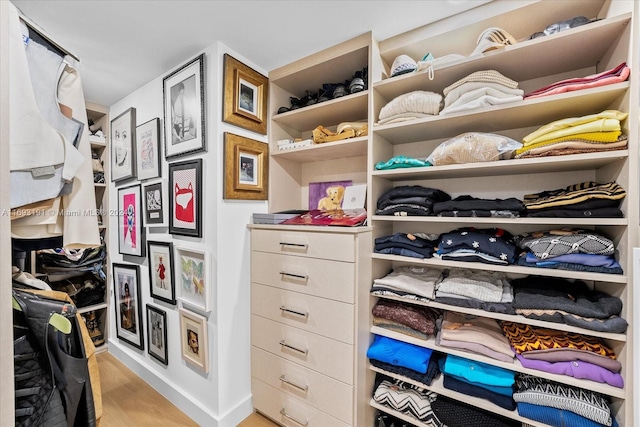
<point x="193" y="339"/>
<point x="162" y="285"/>
<point x="245" y="96"/>
<point x="154" y="195"/>
<point x="123" y="149"/>
<point x="185" y="198"/>
<point x="184" y="112"/>
<point x="246" y="167"/>
<point x="157" y="334"/>
<point x="126" y="290"/>
<point x="193" y="278"/>
<point x="148" y="150"/>
<point x="131" y="232"/>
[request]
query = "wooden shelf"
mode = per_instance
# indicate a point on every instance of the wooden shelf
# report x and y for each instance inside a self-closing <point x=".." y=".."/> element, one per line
<point x="502" y="222"/>
<point x="93" y="307"/>
<point x="353" y="147"/>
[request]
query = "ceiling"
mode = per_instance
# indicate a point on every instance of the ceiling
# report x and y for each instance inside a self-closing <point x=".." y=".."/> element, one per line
<point x="124" y="44"/>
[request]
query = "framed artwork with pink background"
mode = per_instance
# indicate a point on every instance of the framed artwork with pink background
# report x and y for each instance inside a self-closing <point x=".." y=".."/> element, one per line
<point x="185" y="198"/>
<point x="130" y="224"/>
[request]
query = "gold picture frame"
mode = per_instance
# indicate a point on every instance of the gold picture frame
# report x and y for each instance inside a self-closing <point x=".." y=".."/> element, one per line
<point x="246" y="168"/>
<point x="246" y="94"/>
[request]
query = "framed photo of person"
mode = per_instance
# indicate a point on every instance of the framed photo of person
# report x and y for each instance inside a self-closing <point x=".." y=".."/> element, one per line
<point x="246" y="168"/>
<point x="193" y="278"/>
<point x="161" y="283"/>
<point x="246" y="93"/>
<point x="131" y="233"/>
<point x="154" y="195"/>
<point x="157" y="334"/>
<point x="123" y="149"/>
<point x="184" y="109"/>
<point x="185" y="198"/>
<point x="126" y="290"/>
<point x="148" y="150"/>
<point x="194" y="340"/>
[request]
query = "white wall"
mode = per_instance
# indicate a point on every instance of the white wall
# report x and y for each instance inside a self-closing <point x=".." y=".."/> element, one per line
<point x="223" y="396"/>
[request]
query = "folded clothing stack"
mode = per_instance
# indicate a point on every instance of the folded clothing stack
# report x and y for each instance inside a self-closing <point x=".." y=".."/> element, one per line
<point x="409" y="399"/>
<point x="469" y="206"/>
<point x="484" y="290"/>
<point x="410" y="282"/>
<point x="409" y="319"/>
<point x="553" y="299"/>
<point x="489" y="246"/>
<point x="416" y="245"/>
<point x="409" y="106"/>
<point x="479" y="90"/>
<point x="399" y="353"/>
<point x="584" y="200"/>
<point x="569" y="249"/>
<point x="565" y="353"/>
<point x="558" y="404"/>
<point x="574" y="135"/>
<point x="410" y="200"/>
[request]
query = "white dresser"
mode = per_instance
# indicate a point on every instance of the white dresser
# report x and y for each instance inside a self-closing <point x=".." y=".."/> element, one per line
<point x="309" y="322"/>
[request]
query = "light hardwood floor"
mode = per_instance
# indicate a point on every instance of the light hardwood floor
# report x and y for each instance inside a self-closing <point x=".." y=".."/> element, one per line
<point x="128" y="401"/>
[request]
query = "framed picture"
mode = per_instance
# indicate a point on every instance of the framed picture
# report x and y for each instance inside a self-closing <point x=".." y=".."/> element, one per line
<point x="184" y="112"/>
<point x="157" y="334"/>
<point x="327" y="196"/>
<point x="148" y="150"/>
<point x="126" y="282"/>
<point x="246" y="168"/>
<point x="245" y="96"/>
<point x="193" y="278"/>
<point x="131" y="232"/>
<point x="123" y="150"/>
<point x="154" y="195"/>
<point x="193" y="339"/>
<point x="185" y="199"/>
<point x="161" y="283"/>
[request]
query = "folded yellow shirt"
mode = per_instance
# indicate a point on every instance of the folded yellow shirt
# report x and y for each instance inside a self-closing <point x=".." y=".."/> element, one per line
<point x="572" y="122"/>
<point x="593" y="137"/>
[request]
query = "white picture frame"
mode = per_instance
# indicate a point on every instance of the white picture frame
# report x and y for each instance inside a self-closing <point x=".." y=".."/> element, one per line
<point x="193" y="277"/>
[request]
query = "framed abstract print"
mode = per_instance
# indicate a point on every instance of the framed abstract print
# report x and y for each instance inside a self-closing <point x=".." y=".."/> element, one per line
<point x="185" y="198"/>
<point x="193" y="339"/>
<point x="154" y="196"/>
<point x="161" y="272"/>
<point x="148" y="150"/>
<point x="157" y="334"/>
<point x="123" y="149"/>
<point x="193" y="278"/>
<point x="126" y="290"/>
<point x="184" y="109"/>
<point x="131" y="233"/>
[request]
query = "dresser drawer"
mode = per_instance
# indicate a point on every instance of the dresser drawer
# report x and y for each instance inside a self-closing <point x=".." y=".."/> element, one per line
<point x="330" y="357"/>
<point x="332" y="319"/>
<point x="318" y="390"/>
<point x="327" y="279"/>
<point x="288" y="410"/>
<point x="339" y="247"/>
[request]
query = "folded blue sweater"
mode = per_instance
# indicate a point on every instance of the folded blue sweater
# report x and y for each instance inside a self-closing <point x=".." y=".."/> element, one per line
<point x="399" y="353"/>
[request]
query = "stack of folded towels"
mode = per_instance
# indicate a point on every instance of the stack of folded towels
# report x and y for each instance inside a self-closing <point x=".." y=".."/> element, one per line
<point x="574" y="135"/>
<point x="479" y="90"/>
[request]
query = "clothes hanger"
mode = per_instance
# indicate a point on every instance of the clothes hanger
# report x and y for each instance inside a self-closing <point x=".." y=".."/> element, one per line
<point x="56" y="320"/>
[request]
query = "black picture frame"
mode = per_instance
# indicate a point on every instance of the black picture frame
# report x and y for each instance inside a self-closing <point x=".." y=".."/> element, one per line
<point x="185" y="198"/>
<point x="129" y="327"/>
<point x="183" y="90"/>
<point x="157" y="334"/>
<point x="166" y="292"/>
<point x="123" y="146"/>
<point x="148" y="160"/>
<point x="154" y="196"/>
<point x="131" y="231"/>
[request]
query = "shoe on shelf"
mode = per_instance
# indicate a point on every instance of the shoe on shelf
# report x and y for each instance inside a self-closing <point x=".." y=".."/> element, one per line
<point x="295" y="103"/>
<point x="357" y="84"/>
<point x="339" y="91"/>
<point x="283" y="110"/>
<point x="93" y="327"/>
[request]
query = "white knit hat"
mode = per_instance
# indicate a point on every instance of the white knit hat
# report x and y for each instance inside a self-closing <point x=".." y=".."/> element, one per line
<point x="418" y="103"/>
<point x="403" y="64"/>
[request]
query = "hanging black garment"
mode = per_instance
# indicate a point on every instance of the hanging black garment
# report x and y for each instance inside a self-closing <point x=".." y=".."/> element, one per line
<point x="64" y="353"/>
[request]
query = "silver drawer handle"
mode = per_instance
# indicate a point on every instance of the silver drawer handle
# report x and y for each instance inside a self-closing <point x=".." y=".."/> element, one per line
<point x="297" y="245"/>
<point x="299" y="387"/>
<point x="284" y="344"/>
<point x="283" y="412"/>
<point x="297" y="313"/>
<point x="297" y="276"/>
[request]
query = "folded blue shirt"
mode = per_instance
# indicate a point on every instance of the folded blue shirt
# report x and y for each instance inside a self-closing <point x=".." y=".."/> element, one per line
<point x="478" y="372"/>
<point x="399" y="353"/>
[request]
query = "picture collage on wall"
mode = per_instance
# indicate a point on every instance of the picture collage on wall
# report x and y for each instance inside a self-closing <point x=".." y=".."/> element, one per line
<point x="152" y="203"/>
